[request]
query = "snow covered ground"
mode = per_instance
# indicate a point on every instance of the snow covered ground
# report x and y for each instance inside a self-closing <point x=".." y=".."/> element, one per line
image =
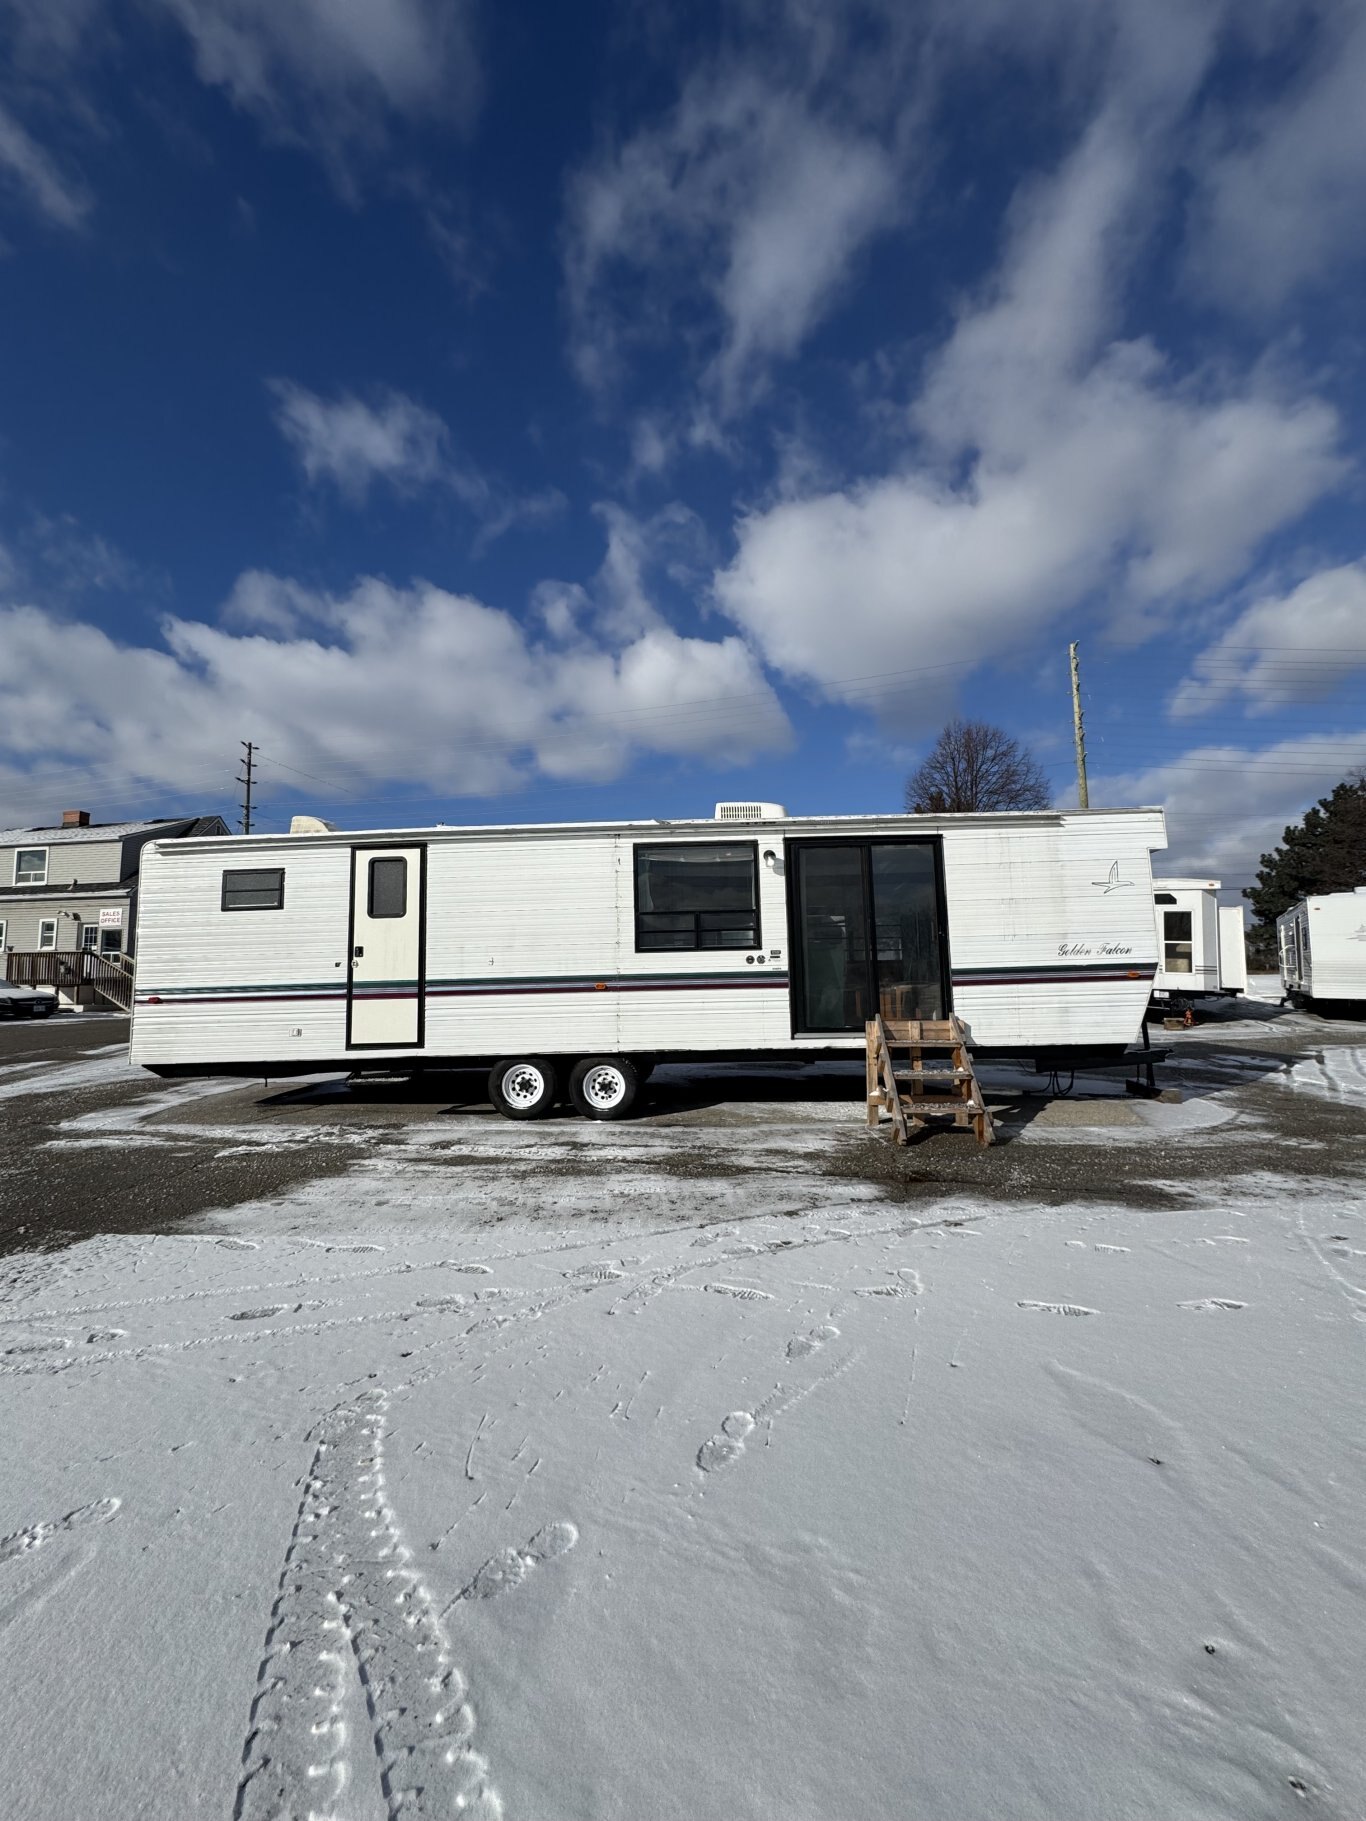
<point x="666" y="1470"/>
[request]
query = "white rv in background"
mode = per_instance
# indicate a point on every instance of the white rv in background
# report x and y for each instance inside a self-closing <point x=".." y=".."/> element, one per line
<point x="1322" y="942"/>
<point x="575" y="956"/>
<point x="1201" y="951"/>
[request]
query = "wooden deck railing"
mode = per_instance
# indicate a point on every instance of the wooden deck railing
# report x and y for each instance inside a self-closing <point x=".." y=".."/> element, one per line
<point x="69" y="969"/>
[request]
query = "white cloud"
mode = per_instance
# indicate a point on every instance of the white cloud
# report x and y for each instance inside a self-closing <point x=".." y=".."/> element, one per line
<point x="27" y="168"/>
<point x="334" y="77"/>
<point x="329" y="72"/>
<point x="619" y="602"/>
<point x="1228" y="805"/>
<point x="380" y="687"/>
<point x="1280" y="199"/>
<point x="747" y="190"/>
<point x="352" y="445"/>
<point x="1055" y="464"/>
<point x="1288" y="647"/>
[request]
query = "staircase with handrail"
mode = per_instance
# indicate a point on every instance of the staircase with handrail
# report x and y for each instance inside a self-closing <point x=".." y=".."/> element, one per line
<point x="68" y="970"/>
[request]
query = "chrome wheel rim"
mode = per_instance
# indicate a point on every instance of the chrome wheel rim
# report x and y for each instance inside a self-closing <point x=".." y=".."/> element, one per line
<point x="604" y="1087"/>
<point x="523" y="1086"/>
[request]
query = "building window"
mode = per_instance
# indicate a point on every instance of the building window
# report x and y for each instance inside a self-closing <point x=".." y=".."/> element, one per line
<point x="30" y="866"/>
<point x="47" y="933"/>
<point x="698" y="896"/>
<point x="111" y="941"/>
<point x="1177" y="946"/>
<point x="387" y="894"/>
<point x="90" y="935"/>
<point x="2" y="935"/>
<point x="254" y="888"/>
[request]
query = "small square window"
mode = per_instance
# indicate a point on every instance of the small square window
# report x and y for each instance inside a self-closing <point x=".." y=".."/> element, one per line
<point x="30" y="866"/>
<point x="387" y="895"/>
<point x="254" y="888"/>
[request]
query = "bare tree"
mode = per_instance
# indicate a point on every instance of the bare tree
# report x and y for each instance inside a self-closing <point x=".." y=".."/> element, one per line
<point x="975" y="766"/>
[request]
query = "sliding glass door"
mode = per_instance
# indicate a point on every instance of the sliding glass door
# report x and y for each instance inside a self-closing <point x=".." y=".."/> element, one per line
<point x="868" y="932"/>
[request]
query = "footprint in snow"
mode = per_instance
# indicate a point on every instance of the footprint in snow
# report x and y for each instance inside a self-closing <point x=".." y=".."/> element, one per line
<point x="1057" y="1308"/>
<point x="729" y="1444"/>
<point x="259" y="1314"/>
<point x="21" y="1542"/>
<point x="510" y="1567"/>
<point x="742" y="1291"/>
<point x="596" y="1274"/>
<point x="1100" y="1248"/>
<point x="1207" y="1305"/>
<point x="239" y="1245"/>
<point x="802" y="1346"/>
<point x="102" y="1337"/>
<point x="887" y="1290"/>
<point x="450" y="1304"/>
<point x="39" y="1344"/>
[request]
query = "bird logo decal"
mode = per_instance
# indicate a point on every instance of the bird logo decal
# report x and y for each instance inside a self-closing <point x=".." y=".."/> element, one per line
<point x="1114" y="883"/>
<point x="1358" y="934"/>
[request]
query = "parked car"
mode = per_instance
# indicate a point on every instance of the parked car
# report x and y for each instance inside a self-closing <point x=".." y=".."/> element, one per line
<point x="26" y="1001"/>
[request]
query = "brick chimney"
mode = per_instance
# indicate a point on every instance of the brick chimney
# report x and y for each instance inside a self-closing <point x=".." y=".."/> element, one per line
<point x="75" y="818"/>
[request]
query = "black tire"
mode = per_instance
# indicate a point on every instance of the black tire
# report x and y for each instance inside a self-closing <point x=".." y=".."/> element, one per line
<point x="604" y="1087"/>
<point x="523" y="1087"/>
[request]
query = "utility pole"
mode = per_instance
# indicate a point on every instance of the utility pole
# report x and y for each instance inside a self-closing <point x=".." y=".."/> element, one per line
<point x="1082" y="798"/>
<point x="245" y="780"/>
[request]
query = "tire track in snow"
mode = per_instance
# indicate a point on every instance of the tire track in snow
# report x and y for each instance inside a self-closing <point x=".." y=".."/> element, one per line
<point x="350" y="1604"/>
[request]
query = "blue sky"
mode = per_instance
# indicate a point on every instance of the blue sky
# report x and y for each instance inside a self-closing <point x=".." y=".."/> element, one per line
<point x="536" y="413"/>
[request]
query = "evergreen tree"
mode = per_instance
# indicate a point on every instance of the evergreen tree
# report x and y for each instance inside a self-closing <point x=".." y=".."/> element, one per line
<point x="1324" y="853"/>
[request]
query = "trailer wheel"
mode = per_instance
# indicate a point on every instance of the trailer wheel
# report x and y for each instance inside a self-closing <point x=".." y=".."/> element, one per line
<point x="523" y="1087"/>
<point x="604" y="1087"/>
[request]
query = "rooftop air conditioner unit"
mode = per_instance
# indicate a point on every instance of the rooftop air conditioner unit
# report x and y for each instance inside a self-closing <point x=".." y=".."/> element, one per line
<point x="750" y="812"/>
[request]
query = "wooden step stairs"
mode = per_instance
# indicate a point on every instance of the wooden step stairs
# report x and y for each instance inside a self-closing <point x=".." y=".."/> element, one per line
<point x="919" y="1069"/>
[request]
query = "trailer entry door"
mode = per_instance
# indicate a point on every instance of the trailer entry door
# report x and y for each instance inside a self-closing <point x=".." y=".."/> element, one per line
<point x="387" y="966"/>
<point x="868" y="933"/>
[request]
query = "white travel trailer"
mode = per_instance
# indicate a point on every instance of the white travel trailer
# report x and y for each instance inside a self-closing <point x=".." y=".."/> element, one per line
<point x="1323" y="948"/>
<point x="578" y="955"/>
<point x="1201" y="953"/>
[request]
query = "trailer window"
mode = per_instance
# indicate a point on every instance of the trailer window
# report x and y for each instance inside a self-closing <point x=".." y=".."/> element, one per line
<point x="254" y="888"/>
<point x="388" y="888"/>
<point x="703" y="895"/>
<point x="1164" y="898"/>
<point x="1177" y="945"/>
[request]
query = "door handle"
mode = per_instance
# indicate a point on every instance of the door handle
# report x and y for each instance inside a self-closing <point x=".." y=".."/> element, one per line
<point x="357" y="952"/>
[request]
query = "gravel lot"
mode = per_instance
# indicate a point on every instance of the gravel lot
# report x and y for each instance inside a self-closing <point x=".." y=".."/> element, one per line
<point x="89" y="1145"/>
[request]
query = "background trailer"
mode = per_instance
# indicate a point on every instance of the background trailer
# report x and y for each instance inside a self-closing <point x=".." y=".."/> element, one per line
<point x="754" y="933"/>
<point x="1323" y="948"/>
<point x="1201" y="952"/>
